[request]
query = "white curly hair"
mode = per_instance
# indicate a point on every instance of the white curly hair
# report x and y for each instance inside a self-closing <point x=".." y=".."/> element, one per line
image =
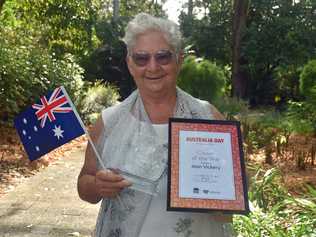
<point x="143" y="22"/>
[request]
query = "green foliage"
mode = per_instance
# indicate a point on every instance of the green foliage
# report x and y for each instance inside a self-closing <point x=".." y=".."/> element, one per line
<point x="287" y="83"/>
<point x="98" y="97"/>
<point x="279" y="38"/>
<point x="201" y="78"/>
<point x="275" y="212"/>
<point x="301" y="117"/>
<point x="232" y="108"/>
<point x="107" y="62"/>
<point x="65" y="26"/>
<point x="266" y="190"/>
<point x="268" y="130"/>
<point x="42" y="41"/>
<point x="263" y="131"/>
<point x="7" y="16"/>
<point x="130" y="8"/>
<point x="308" y="81"/>
<point x="28" y="71"/>
<point x="109" y="31"/>
<point x="281" y="32"/>
<point x="273" y="30"/>
<point x="210" y="34"/>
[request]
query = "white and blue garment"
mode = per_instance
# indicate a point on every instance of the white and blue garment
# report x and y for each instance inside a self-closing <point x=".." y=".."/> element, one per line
<point x="133" y="144"/>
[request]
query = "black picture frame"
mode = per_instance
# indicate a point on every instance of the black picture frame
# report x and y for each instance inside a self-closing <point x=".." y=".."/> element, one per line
<point x="174" y="202"/>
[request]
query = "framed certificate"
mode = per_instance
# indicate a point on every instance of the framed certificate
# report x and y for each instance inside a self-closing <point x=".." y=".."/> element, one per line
<point x="206" y="167"/>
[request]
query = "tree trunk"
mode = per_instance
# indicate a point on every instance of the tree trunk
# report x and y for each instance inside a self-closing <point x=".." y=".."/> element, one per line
<point x="239" y="78"/>
<point x="1" y="4"/>
<point x="90" y="22"/>
<point x="190" y="9"/>
<point x="116" y="9"/>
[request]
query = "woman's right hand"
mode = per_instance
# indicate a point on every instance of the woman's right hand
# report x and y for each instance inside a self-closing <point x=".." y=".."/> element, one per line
<point x="109" y="183"/>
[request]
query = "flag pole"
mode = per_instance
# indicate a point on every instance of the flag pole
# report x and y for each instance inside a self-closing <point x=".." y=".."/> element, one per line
<point x="90" y="141"/>
<point x="103" y="166"/>
<point x="84" y="128"/>
<point x="95" y="150"/>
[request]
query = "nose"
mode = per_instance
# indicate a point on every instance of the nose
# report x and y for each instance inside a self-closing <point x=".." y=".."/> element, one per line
<point x="152" y="65"/>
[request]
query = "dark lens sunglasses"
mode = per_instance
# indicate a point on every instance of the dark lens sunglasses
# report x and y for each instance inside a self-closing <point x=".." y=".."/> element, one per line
<point x="162" y="57"/>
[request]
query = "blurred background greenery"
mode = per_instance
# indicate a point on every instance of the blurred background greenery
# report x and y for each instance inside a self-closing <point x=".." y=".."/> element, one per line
<point x="255" y="60"/>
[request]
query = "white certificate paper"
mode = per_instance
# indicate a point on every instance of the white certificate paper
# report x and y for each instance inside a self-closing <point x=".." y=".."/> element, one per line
<point x="206" y="165"/>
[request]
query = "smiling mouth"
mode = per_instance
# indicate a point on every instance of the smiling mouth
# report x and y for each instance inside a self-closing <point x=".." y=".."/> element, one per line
<point x="154" y="78"/>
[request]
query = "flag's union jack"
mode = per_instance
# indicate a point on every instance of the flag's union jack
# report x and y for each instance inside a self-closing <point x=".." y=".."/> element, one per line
<point x="40" y="136"/>
<point x="52" y="105"/>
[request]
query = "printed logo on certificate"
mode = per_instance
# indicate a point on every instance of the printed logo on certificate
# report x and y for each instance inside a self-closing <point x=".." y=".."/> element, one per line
<point x="206" y="167"/>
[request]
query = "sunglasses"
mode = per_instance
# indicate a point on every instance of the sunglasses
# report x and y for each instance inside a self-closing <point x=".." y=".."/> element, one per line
<point x="162" y="57"/>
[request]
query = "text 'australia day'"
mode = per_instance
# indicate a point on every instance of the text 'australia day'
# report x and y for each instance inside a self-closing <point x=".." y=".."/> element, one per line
<point x="203" y="139"/>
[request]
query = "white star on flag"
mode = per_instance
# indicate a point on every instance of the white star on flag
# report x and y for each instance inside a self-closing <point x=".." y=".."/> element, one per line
<point x="44" y="126"/>
<point x="58" y="132"/>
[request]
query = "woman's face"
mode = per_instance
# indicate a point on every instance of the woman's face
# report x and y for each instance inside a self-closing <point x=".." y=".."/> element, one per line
<point x="153" y="64"/>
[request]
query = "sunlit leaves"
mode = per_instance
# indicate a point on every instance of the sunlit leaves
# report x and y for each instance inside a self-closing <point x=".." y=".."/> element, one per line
<point x="274" y="212"/>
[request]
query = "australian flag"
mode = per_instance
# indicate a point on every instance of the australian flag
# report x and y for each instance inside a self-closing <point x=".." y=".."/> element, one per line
<point x="48" y="124"/>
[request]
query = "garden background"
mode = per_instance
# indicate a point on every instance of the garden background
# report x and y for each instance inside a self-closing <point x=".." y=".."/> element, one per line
<point x="255" y="60"/>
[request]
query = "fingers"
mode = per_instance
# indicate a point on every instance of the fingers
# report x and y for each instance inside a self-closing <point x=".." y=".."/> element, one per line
<point x="109" y="184"/>
<point x="109" y="193"/>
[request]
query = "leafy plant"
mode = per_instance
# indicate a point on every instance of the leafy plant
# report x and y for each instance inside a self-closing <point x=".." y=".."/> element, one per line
<point x="301" y="117"/>
<point x="308" y="81"/>
<point x="28" y="71"/>
<point x="201" y="78"/>
<point x="98" y="97"/>
<point x="232" y="107"/>
<point x="266" y="189"/>
<point x="275" y="212"/>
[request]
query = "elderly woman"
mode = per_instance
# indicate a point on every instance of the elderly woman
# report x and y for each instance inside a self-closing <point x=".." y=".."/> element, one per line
<point x="133" y="135"/>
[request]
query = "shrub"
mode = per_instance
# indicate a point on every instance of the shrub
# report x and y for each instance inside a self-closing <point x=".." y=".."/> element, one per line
<point x="232" y="107"/>
<point x="287" y="80"/>
<point x="301" y="117"/>
<point x="265" y="129"/>
<point x="275" y="212"/>
<point x="201" y="78"/>
<point x="28" y="71"/>
<point x="97" y="97"/>
<point x="308" y="81"/>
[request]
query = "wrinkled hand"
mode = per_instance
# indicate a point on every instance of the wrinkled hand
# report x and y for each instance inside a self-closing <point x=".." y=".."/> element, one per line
<point x="109" y="184"/>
